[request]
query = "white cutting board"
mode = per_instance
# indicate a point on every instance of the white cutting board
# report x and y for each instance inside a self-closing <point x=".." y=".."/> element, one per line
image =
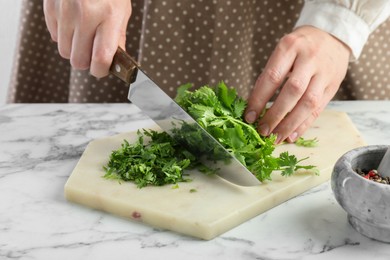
<point x="217" y="205"/>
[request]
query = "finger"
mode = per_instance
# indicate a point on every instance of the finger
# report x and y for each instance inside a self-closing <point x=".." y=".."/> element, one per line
<point x="306" y="124"/>
<point x="108" y="37"/>
<point x="289" y="96"/>
<point x="123" y="29"/>
<point x="65" y="30"/>
<point x="65" y="36"/>
<point x="82" y="44"/>
<point x="307" y="106"/>
<point x="309" y="121"/>
<point x="276" y="70"/>
<point x="50" y="18"/>
<point x="104" y="47"/>
<point x="303" y="127"/>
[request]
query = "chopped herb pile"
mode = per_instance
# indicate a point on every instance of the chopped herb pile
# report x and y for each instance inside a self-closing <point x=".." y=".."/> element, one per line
<point x="161" y="161"/>
<point x="220" y="111"/>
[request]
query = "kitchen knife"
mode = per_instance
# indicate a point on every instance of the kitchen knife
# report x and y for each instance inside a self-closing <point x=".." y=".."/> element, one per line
<point x="167" y="114"/>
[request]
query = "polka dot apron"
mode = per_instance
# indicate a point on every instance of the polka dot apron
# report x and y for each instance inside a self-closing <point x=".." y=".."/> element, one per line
<point x="177" y="42"/>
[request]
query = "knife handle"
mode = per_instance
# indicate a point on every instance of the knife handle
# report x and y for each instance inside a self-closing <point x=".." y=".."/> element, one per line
<point x="124" y="66"/>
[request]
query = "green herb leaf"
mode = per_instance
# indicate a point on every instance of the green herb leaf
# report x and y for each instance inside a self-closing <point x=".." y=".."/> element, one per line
<point x="306" y="142"/>
<point x="225" y="95"/>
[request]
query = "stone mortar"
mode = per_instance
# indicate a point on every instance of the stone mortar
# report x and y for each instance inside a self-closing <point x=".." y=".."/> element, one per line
<point x="366" y="202"/>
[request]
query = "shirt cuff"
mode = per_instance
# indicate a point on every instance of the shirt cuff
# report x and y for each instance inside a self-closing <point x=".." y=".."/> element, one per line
<point x="338" y="21"/>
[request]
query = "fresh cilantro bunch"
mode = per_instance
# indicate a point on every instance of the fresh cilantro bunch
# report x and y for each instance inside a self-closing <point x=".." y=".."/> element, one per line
<point x="220" y="111"/>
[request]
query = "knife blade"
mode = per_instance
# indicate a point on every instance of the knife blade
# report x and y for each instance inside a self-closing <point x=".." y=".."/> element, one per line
<point x="169" y="116"/>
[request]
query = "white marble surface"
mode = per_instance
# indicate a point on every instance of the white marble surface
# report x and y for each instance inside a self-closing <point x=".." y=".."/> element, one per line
<point x="40" y="145"/>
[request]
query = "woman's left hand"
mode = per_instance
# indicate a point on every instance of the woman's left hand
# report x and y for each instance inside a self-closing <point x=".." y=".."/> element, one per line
<point x="309" y="66"/>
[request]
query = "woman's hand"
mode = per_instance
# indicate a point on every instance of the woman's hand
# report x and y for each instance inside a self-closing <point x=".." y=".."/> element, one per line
<point x="88" y="32"/>
<point x="309" y="66"/>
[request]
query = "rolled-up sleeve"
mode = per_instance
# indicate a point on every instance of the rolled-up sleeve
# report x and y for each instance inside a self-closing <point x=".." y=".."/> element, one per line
<point x="351" y="21"/>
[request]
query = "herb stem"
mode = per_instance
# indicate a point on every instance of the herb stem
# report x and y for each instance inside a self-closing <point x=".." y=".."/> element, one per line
<point x="250" y="128"/>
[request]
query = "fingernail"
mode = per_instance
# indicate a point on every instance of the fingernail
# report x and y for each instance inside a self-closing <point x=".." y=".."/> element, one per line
<point x="264" y="129"/>
<point x="293" y="136"/>
<point x="250" y="117"/>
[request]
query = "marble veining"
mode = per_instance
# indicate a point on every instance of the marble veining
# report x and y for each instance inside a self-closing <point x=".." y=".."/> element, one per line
<point x="41" y="143"/>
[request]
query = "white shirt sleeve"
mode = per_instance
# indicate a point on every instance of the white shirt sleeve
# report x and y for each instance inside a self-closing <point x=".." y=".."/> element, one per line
<point x="351" y="21"/>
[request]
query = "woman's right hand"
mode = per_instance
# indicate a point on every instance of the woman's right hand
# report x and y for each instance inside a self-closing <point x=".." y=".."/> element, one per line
<point x="88" y="32"/>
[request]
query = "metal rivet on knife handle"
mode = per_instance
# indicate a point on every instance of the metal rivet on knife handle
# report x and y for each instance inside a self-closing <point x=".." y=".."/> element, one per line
<point x="124" y="66"/>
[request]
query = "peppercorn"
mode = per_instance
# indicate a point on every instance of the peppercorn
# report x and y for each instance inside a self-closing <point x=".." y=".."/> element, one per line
<point x="373" y="175"/>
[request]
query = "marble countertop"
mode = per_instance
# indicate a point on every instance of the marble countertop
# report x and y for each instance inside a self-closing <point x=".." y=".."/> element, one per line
<point x="40" y="145"/>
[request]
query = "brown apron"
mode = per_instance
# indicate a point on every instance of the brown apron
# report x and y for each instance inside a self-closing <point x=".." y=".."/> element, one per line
<point x="201" y="42"/>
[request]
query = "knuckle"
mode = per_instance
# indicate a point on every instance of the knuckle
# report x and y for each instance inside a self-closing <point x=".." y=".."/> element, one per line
<point x="304" y="126"/>
<point x="312" y="51"/>
<point x="311" y="101"/>
<point x="101" y="62"/>
<point x="289" y="40"/>
<point x="83" y="12"/>
<point x="316" y="113"/>
<point x="296" y="85"/>
<point x="274" y="76"/>
<point x="86" y="11"/>
<point x="79" y="63"/>
<point x="80" y="10"/>
<point x="63" y="7"/>
<point x="103" y="57"/>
